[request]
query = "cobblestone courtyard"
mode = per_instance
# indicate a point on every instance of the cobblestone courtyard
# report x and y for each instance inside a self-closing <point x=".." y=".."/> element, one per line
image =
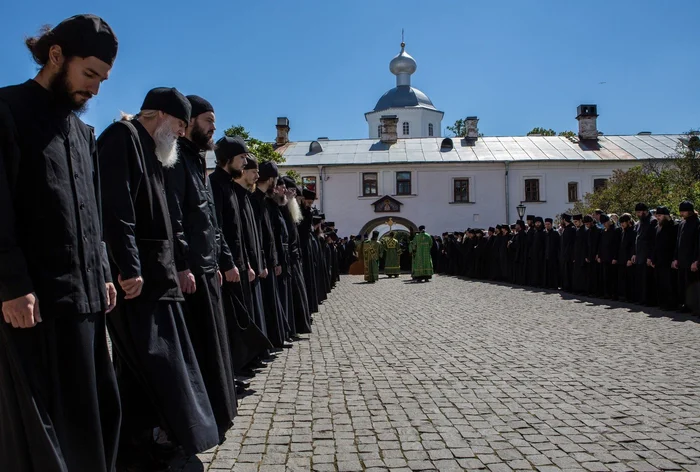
<point x="463" y="375"/>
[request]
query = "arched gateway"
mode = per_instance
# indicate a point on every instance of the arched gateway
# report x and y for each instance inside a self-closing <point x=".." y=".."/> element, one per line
<point x="384" y="221"/>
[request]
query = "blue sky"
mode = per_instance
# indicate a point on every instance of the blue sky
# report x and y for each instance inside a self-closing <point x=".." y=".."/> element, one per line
<point x="323" y="64"/>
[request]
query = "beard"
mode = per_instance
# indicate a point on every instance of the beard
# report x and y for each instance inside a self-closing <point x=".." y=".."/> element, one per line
<point x="295" y="210"/>
<point x="166" y="145"/>
<point x="63" y="94"/>
<point x="201" y="139"/>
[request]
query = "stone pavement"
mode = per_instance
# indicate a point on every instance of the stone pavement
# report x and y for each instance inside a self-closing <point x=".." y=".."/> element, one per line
<point x="464" y="375"/>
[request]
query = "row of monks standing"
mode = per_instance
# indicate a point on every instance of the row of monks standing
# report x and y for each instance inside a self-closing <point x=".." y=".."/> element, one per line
<point x="652" y="261"/>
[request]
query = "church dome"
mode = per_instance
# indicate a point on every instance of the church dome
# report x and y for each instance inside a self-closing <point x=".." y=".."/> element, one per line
<point x="403" y="63"/>
<point x="403" y="96"/>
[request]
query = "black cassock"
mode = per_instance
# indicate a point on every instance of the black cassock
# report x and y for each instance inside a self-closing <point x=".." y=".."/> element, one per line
<point x="252" y="244"/>
<point x="200" y="248"/>
<point x="536" y="258"/>
<point x="492" y="248"/>
<point x="594" y="268"/>
<point x="530" y="238"/>
<point x="625" y="273"/>
<point x="319" y="267"/>
<point x="284" y="280"/>
<point x="552" y="242"/>
<point x="644" y="249"/>
<point x="686" y="254"/>
<point x="608" y="251"/>
<point x="59" y="403"/>
<point x="504" y="258"/>
<point x="581" y="252"/>
<point x="308" y="260"/>
<point x="519" y="248"/>
<point x="566" y="257"/>
<point x="159" y="377"/>
<point x="274" y="311"/>
<point x="302" y="314"/>
<point x="247" y="341"/>
<point x="665" y="277"/>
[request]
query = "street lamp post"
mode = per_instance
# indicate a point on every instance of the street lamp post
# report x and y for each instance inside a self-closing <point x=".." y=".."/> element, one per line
<point x="521" y="210"/>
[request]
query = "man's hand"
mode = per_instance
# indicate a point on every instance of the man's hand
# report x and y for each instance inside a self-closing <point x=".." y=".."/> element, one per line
<point x="111" y="296"/>
<point x="263" y="274"/>
<point x="674" y="265"/>
<point x="614" y="262"/>
<point x="650" y="263"/>
<point x="187" y="283"/>
<point x="22" y="312"/>
<point x="233" y="275"/>
<point x="634" y="259"/>
<point x="132" y="287"/>
<point x="597" y="259"/>
<point x="630" y="263"/>
<point x="220" y="278"/>
<point x="278" y="270"/>
<point x="251" y="274"/>
<point x="694" y="266"/>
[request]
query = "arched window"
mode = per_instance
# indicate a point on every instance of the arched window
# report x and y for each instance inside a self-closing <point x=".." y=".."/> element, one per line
<point x="379" y="131"/>
<point x="406" y="128"/>
<point x="430" y="129"/>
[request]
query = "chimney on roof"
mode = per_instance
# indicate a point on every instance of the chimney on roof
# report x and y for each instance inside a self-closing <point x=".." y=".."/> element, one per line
<point x="587" y="116"/>
<point x="282" y="131"/>
<point x="472" y="128"/>
<point x="389" y="123"/>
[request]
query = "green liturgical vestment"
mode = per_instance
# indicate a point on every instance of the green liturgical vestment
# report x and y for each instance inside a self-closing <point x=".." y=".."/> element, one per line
<point x="422" y="262"/>
<point x="392" y="252"/>
<point x="372" y="252"/>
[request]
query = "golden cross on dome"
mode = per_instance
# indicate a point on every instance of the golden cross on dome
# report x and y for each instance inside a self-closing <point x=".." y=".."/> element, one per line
<point x="390" y="223"/>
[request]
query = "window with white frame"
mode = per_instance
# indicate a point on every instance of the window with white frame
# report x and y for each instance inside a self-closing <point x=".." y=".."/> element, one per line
<point x="430" y="129"/>
<point x="460" y="190"/>
<point x="406" y="128"/>
<point x="369" y="184"/>
<point x="532" y="190"/>
<point x="403" y="183"/>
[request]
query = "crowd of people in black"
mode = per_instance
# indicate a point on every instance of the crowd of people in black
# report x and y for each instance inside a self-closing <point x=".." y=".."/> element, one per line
<point x="651" y="260"/>
<point x="199" y="279"/>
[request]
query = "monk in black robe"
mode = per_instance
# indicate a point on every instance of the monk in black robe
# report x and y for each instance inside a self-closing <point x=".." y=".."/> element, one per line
<point x="247" y="340"/>
<point x="608" y="251"/>
<point x="665" y="277"/>
<point x="274" y="311"/>
<point x="566" y="256"/>
<point x="305" y="242"/>
<point x="536" y="255"/>
<point x="581" y="254"/>
<point x="530" y="241"/>
<point x="201" y="256"/>
<point x="593" y="267"/>
<point x="159" y="377"/>
<point x="551" y="255"/>
<point x="59" y="403"/>
<point x="625" y="266"/>
<point x="686" y="257"/>
<point x="518" y="247"/>
<point x="644" y="249"/>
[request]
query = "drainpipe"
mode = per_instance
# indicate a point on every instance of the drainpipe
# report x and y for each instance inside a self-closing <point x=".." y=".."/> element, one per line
<point x="507" y="194"/>
<point x="320" y="188"/>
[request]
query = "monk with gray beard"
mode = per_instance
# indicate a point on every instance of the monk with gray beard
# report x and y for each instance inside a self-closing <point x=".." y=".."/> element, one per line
<point x="159" y="378"/>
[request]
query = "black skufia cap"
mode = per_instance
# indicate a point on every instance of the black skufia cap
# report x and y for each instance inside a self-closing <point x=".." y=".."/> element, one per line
<point x="548" y="220"/>
<point x="227" y="148"/>
<point x="250" y="163"/>
<point x="199" y="105"/>
<point x="662" y="210"/>
<point x="604" y="218"/>
<point x="85" y="36"/>
<point x="686" y="206"/>
<point x="268" y="170"/>
<point x="641" y="207"/>
<point x="168" y="100"/>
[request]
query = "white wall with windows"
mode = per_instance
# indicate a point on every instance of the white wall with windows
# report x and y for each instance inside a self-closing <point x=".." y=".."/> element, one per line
<point x="449" y="196"/>
<point x="417" y="121"/>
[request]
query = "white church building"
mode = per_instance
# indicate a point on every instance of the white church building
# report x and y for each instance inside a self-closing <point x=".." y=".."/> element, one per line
<point x="407" y="172"/>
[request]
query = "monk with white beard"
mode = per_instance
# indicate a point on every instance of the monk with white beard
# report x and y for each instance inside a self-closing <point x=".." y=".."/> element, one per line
<point x="160" y="382"/>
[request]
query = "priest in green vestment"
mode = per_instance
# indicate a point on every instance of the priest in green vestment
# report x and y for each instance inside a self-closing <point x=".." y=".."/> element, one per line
<point x="422" y="243"/>
<point x="372" y="251"/>
<point x="392" y="251"/>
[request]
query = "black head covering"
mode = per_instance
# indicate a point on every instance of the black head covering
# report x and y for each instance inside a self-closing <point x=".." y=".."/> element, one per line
<point x="641" y="207"/>
<point x="539" y="218"/>
<point x="492" y="229"/>
<point x="170" y="101"/>
<point x="625" y="219"/>
<point x="686" y="206"/>
<point x="85" y="36"/>
<point x="316" y="219"/>
<point x="227" y="148"/>
<point x="330" y="223"/>
<point x="308" y="194"/>
<point x="548" y="220"/>
<point x="498" y="227"/>
<point x="530" y="217"/>
<point x="578" y="217"/>
<point x="662" y="210"/>
<point x="421" y="228"/>
<point x="375" y="234"/>
<point x="521" y="223"/>
<point x="587" y="219"/>
<point x="288" y="182"/>
<point x="322" y="215"/>
<point x="566" y="217"/>
<point x="199" y="105"/>
<point x="268" y="170"/>
<point x="604" y="218"/>
<point x="250" y="163"/>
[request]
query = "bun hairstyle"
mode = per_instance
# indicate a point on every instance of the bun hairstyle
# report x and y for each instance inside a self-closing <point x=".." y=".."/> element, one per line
<point x="40" y="44"/>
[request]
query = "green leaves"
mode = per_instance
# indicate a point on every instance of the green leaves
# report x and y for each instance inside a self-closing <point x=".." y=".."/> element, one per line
<point x="261" y="150"/>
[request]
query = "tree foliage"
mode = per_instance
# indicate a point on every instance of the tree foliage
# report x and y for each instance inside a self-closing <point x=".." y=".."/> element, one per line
<point x="568" y="134"/>
<point x="459" y="129"/>
<point x="295" y="175"/>
<point x="656" y="183"/>
<point x="542" y="132"/>
<point x="261" y="150"/>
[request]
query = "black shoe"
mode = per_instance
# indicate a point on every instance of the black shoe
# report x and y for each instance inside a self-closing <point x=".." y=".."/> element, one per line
<point x="245" y="372"/>
<point x="244" y="384"/>
<point x="287" y="345"/>
<point x="296" y="337"/>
